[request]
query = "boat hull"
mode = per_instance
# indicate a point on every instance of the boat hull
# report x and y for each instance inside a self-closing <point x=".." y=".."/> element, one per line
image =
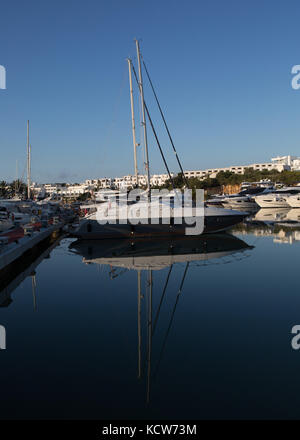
<point x="272" y="202"/>
<point x="91" y="229"/>
<point x="294" y="201"/>
<point x="241" y="205"/>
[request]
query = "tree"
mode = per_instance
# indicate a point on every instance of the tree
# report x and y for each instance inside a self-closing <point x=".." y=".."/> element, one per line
<point x="3" y="188"/>
<point x="83" y="197"/>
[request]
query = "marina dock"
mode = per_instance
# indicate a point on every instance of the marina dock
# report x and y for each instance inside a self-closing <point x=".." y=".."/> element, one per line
<point x="25" y="267"/>
<point x="17" y="249"/>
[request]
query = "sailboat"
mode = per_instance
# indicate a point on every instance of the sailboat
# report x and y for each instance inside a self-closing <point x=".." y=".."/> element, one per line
<point x="117" y="218"/>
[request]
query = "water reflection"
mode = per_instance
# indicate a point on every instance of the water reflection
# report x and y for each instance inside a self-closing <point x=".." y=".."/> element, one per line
<point x="283" y="224"/>
<point x="147" y="256"/>
<point x="271" y="215"/>
<point x="189" y="326"/>
<point x="155" y="255"/>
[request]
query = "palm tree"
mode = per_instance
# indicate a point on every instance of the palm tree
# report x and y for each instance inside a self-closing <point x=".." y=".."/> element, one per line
<point x="3" y="189"/>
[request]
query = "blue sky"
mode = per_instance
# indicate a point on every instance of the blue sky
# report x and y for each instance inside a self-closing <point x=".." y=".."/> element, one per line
<point x="222" y="71"/>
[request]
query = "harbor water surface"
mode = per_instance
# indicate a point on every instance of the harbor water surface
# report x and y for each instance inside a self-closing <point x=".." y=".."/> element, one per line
<point x="206" y="338"/>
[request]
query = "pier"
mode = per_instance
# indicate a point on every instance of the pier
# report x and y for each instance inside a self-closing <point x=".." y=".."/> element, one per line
<point x="11" y="252"/>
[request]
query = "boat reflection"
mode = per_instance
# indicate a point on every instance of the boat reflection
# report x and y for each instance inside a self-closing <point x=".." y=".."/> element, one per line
<point x="271" y="215"/>
<point x="294" y="215"/>
<point x="146" y="256"/>
<point x="152" y="254"/>
<point x="283" y="224"/>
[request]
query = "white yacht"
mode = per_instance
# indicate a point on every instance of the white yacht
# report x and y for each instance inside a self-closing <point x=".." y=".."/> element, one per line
<point x="294" y="201"/>
<point x="243" y="202"/>
<point x="244" y="199"/>
<point x="278" y="198"/>
<point x="153" y="218"/>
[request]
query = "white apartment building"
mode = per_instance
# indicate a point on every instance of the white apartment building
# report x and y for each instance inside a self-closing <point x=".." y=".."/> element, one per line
<point x="68" y="190"/>
<point x="291" y="162"/>
<point x="104" y="182"/>
<point x="50" y="188"/>
<point x="237" y="169"/>
<point x="160" y="179"/>
<point x="74" y="190"/>
<point x="126" y="182"/>
<point x="91" y="182"/>
<point x="130" y="181"/>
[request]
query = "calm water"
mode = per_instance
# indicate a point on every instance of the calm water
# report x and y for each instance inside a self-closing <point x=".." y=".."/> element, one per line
<point x="209" y="336"/>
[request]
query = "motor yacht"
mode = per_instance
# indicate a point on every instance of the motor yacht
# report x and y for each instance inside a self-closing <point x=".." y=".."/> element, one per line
<point x="278" y="198"/>
<point x="243" y="202"/>
<point x="154" y="218"/>
<point x="294" y="201"/>
<point x="243" y="199"/>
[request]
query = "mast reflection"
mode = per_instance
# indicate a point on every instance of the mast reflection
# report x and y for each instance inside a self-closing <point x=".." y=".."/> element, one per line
<point x="147" y="256"/>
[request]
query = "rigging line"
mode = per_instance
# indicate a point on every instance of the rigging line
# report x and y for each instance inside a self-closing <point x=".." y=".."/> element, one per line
<point x="154" y="132"/>
<point x="166" y="126"/>
<point x="160" y="149"/>
<point x="161" y="300"/>
<point x="172" y="317"/>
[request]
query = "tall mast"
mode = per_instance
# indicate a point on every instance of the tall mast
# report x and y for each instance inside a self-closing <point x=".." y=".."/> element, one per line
<point x="16" y="185"/>
<point x="133" y="121"/>
<point x="28" y="162"/>
<point x="143" y="113"/>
